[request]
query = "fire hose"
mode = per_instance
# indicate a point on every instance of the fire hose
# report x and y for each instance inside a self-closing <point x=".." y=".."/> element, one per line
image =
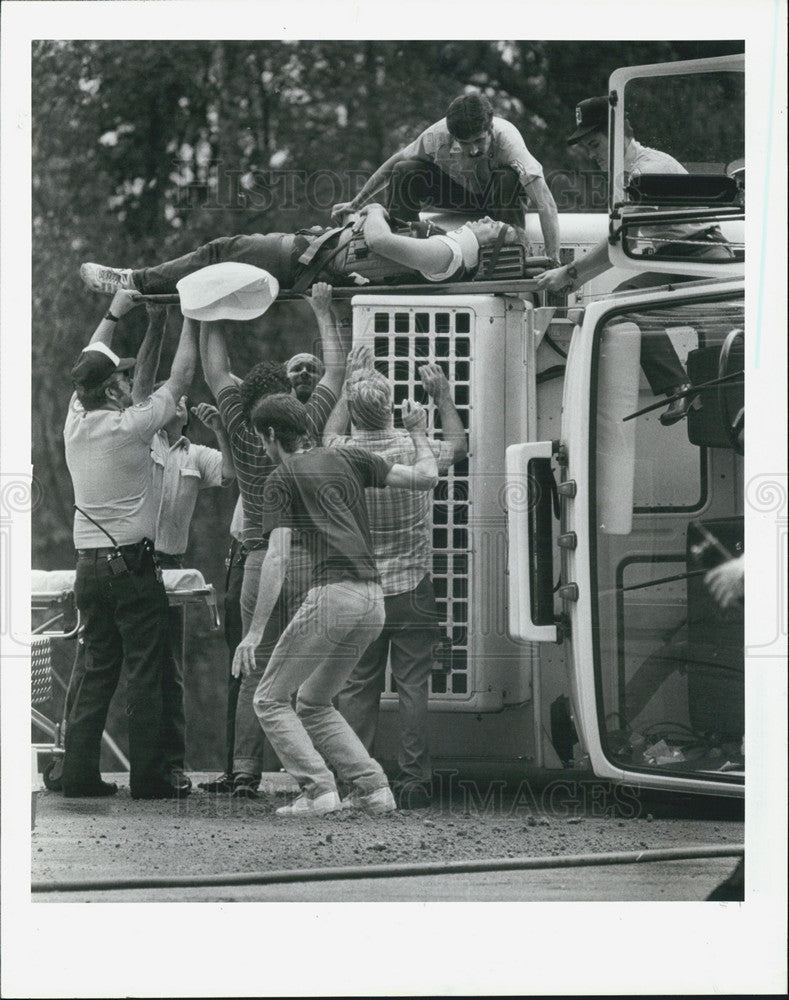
<point x="394" y="870"/>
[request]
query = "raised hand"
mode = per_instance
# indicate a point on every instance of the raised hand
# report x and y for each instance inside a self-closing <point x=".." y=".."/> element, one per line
<point x="208" y="415"/>
<point x="320" y="299"/>
<point x="434" y="381"/>
<point x="414" y="417"/>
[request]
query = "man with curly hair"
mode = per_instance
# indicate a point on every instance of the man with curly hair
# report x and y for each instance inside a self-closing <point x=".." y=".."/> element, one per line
<point x="237" y="405"/>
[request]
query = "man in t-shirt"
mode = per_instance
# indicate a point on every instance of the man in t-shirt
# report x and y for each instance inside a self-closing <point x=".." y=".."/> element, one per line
<point x="237" y="406"/>
<point x="320" y="493"/>
<point x="470" y="161"/>
<point x="118" y="587"/>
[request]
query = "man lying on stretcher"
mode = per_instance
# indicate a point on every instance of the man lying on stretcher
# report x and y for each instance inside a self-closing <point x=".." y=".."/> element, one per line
<point x="296" y="260"/>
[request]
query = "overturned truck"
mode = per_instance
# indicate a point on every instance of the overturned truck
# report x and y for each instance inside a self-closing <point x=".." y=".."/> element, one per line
<point x="571" y="546"/>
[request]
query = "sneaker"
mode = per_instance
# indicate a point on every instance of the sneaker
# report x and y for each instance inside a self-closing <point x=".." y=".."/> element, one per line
<point x="180" y="780"/>
<point x="223" y="785"/>
<point x="374" y="803"/>
<point x="245" y="786"/>
<point x="328" y="802"/>
<point x="106" y="279"/>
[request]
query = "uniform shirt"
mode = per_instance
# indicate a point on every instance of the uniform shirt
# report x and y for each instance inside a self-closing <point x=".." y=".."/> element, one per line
<point x="320" y="493"/>
<point x="249" y="455"/>
<point x="179" y="473"/>
<point x="645" y="160"/>
<point x="400" y="520"/>
<point x="507" y="149"/>
<point x="108" y="454"/>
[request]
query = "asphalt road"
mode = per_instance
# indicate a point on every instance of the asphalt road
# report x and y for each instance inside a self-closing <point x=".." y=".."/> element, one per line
<point x="205" y="836"/>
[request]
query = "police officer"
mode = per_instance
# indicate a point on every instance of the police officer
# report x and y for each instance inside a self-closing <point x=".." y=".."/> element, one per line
<point x="118" y="586"/>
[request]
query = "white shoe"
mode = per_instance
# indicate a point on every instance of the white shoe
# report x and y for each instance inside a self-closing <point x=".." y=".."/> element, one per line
<point x="380" y="801"/>
<point x="106" y="279"/>
<point x="328" y="802"/>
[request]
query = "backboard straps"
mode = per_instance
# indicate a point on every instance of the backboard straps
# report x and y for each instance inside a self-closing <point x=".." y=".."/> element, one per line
<point x="676" y="154"/>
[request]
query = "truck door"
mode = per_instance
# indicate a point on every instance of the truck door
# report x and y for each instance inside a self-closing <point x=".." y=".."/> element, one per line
<point x="677" y="185"/>
<point x="657" y="662"/>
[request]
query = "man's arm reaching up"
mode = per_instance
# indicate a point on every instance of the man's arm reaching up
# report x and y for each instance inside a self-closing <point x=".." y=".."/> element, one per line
<point x="149" y="353"/>
<point x="213" y="356"/>
<point x="423" y="474"/>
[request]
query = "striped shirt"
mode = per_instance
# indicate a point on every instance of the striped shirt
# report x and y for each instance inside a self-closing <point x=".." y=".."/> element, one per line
<point x="249" y="455"/>
<point x="400" y="520"/>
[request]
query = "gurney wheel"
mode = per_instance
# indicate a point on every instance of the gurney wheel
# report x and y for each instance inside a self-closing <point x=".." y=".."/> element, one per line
<point x="52" y="775"/>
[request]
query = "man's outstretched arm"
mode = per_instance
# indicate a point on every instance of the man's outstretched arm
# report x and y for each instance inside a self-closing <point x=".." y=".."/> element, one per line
<point x="183" y="366"/>
<point x="122" y="302"/>
<point x="331" y="342"/>
<point x="214" y="359"/>
<point x="374" y="183"/>
<point x="149" y="354"/>
<point x="540" y="196"/>
<point x="423" y="474"/>
<point x="436" y="385"/>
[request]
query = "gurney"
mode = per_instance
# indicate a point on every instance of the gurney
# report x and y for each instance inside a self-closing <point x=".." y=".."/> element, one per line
<point x="52" y="597"/>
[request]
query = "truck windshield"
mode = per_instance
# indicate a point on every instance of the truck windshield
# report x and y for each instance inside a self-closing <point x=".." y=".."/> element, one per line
<point x="666" y="509"/>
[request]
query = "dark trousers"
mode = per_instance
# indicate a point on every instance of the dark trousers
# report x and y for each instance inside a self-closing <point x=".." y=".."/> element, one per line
<point x="173" y="714"/>
<point x="415" y="183"/>
<point x="271" y="252"/>
<point x="125" y="627"/>
<point x="408" y="641"/>
<point x="234" y="632"/>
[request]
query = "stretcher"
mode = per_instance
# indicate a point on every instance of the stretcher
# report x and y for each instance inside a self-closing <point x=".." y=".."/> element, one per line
<point x="52" y="598"/>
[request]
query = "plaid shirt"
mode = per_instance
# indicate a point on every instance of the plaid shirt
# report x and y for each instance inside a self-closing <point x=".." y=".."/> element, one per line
<point x="249" y="455"/>
<point x="400" y="520"/>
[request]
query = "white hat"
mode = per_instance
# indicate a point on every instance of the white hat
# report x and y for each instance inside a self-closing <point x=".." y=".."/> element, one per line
<point x="230" y="290"/>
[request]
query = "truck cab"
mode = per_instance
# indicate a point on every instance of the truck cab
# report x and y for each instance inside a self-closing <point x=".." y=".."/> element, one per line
<point x="573" y="545"/>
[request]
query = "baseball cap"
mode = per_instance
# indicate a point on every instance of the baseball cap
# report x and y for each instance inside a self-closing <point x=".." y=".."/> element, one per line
<point x="230" y="290"/>
<point x="591" y="115"/>
<point x="95" y="365"/>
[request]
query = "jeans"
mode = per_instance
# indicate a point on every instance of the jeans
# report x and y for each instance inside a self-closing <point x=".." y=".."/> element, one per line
<point x="417" y="182"/>
<point x="125" y="627"/>
<point x="271" y="252"/>
<point x="173" y="715"/>
<point x="251" y="751"/>
<point x="408" y="640"/>
<point x="314" y="657"/>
